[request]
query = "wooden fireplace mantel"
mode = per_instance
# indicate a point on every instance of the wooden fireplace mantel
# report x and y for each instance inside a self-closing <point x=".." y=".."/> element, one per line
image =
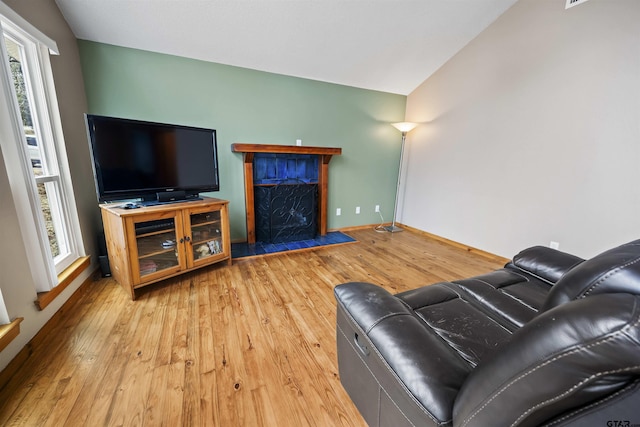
<point x="324" y="153"/>
<point x="239" y="147"/>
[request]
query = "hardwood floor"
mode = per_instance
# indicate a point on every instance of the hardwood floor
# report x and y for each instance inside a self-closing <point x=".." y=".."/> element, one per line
<point x="252" y="344"/>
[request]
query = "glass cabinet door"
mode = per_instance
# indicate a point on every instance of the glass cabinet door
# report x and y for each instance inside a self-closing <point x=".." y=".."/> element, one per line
<point x="206" y="234"/>
<point x="157" y="246"/>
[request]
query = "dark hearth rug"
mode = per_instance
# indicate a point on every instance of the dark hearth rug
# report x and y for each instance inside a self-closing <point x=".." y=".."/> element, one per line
<point x="243" y="250"/>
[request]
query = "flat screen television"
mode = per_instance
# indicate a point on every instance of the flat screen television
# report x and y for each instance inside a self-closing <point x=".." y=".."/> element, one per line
<point x="152" y="162"/>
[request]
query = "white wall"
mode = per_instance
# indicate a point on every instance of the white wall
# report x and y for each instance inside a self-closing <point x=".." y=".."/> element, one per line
<point x="532" y="132"/>
<point x="16" y="281"/>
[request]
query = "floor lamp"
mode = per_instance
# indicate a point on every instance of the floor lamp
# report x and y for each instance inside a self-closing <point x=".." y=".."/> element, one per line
<point x="403" y="127"/>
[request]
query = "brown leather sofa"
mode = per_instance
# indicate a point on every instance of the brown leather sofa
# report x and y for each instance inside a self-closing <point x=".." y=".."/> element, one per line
<point x="550" y="339"/>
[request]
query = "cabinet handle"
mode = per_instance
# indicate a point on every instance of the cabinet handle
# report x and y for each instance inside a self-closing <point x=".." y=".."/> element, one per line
<point x="181" y="240"/>
<point x="187" y="238"/>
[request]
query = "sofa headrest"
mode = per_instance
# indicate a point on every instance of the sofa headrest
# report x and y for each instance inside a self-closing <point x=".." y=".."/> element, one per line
<point x="613" y="271"/>
<point x="545" y="263"/>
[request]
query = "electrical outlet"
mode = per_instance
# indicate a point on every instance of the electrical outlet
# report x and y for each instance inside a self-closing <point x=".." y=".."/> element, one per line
<point x="357" y="210"/>
<point x="554" y="245"/>
<point x="377" y="208"/>
<point x="298" y="142"/>
<point x="338" y="211"/>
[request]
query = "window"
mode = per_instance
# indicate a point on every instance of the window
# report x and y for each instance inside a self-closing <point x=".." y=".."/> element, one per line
<point x="34" y="154"/>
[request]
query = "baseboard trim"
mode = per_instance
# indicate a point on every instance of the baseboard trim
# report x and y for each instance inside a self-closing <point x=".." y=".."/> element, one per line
<point x="23" y="355"/>
<point x="360" y="227"/>
<point x="467" y="248"/>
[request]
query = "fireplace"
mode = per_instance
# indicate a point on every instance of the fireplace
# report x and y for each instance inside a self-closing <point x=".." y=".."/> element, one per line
<point x="281" y="168"/>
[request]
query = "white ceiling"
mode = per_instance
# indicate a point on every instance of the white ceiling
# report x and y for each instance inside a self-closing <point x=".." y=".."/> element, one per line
<point x="385" y="45"/>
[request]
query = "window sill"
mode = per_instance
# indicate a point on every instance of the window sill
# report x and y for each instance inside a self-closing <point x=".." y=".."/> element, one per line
<point x="9" y="331"/>
<point x="64" y="279"/>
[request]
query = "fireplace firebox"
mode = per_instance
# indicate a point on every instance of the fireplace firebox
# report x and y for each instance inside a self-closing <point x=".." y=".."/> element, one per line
<point x="286" y="212"/>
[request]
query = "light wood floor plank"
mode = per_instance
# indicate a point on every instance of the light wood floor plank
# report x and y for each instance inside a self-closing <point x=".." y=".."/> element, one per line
<point x="252" y="344"/>
<point x="24" y="381"/>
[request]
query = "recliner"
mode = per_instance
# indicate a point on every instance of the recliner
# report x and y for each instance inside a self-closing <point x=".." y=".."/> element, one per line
<point x="550" y="339"/>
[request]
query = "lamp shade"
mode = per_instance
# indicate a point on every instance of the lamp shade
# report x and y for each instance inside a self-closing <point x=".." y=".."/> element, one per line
<point x="404" y="126"/>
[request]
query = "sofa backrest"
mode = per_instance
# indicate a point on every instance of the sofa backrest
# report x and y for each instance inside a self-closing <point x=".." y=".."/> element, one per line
<point x="614" y="271"/>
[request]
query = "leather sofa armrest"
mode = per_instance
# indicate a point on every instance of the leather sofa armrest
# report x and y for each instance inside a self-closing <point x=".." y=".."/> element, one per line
<point x="545" y="263"/>
<point x="368" y="304"/>
<point x="577" y="352"/>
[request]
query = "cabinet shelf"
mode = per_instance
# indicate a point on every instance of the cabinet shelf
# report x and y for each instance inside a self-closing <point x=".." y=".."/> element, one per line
<point x="154" y="233"/>
<point x="150" y="228"/>
<point x="152" y="254"/>
<point x="200" y="242"/>
<point x="202" y="224"/>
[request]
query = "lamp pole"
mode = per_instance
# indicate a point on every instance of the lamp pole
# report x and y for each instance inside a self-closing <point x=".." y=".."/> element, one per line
<point x="403" y="127"/>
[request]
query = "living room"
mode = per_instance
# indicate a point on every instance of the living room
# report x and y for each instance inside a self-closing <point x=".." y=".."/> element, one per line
<point x="522" y="135"/>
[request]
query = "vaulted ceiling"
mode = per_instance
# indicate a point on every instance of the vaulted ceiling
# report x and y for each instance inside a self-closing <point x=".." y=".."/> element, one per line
<point x="385" y="45"/>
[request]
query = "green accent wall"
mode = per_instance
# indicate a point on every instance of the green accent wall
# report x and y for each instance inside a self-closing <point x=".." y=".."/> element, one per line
<point x="262" y="108"/>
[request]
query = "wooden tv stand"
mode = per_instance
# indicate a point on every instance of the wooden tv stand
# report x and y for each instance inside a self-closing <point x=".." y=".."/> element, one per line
<point x="153" y="243"/>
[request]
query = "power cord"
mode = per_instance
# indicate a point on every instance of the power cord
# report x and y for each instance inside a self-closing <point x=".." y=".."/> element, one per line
<point x="380" y="228"/>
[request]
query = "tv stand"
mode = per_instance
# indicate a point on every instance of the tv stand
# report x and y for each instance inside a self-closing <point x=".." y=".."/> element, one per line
<point x="155" y="242"/>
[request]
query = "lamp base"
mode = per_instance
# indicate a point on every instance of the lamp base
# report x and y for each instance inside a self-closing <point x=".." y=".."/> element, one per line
<point x="393" y="229"/>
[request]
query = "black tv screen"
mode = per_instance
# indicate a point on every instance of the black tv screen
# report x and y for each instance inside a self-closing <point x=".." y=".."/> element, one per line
<point x="136" y="159"/>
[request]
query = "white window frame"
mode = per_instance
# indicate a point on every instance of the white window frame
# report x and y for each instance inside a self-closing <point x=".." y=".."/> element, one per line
<point x="44" y="268"/>
<point x="4" y="315"/>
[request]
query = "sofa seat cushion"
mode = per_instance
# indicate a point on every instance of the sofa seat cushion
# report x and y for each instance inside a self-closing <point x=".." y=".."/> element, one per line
<point x="463" y="326"/>
<point x="510" y="296"/>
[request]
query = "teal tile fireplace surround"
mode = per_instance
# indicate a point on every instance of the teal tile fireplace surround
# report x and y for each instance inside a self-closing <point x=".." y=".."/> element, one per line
<point x="272" y="168"/>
